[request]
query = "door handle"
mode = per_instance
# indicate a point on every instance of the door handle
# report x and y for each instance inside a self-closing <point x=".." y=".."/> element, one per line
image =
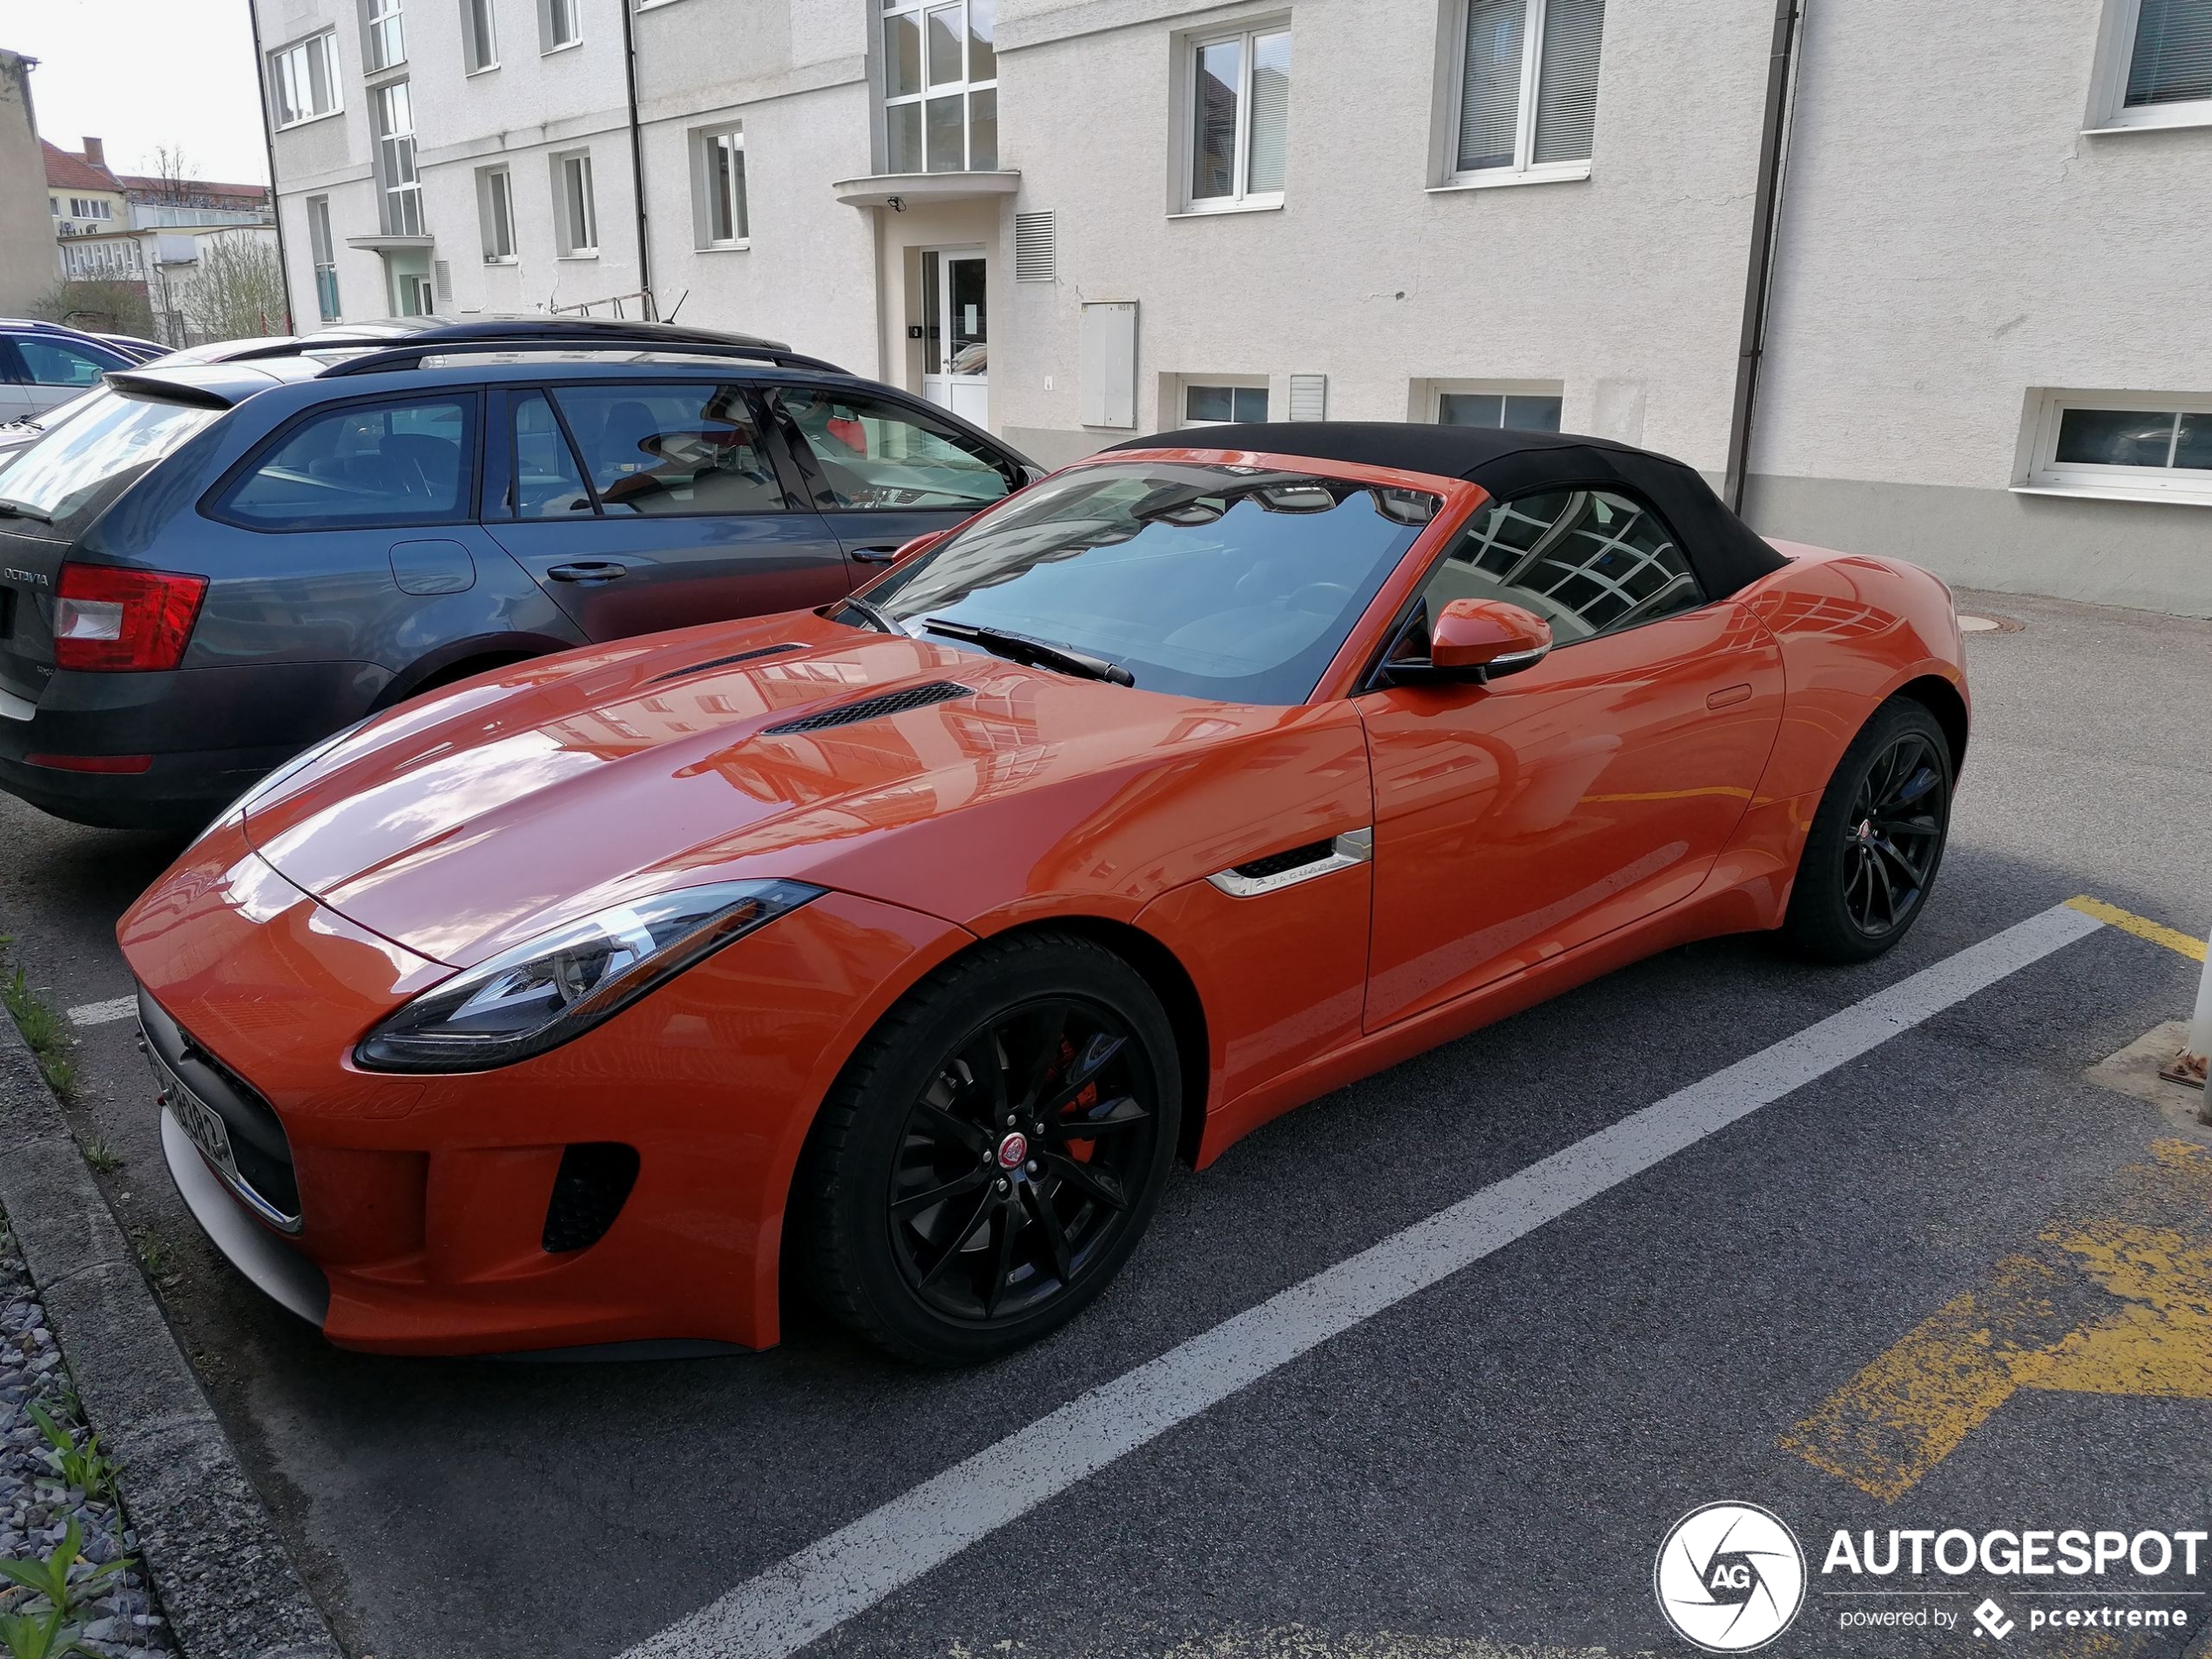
<point x="874" y="555"/>
<point x="1729" y="697"/>
<point x="588" y="570"/>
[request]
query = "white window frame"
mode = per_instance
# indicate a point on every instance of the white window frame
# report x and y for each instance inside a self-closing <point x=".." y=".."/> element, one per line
<point x="382" y="26"/>
<point x="550" y="14"/>
<point x="706" y="143"/>
<point x="574" y="189"/>
<point x="324" y="43"/>
<point x="322" y="255"/>
<point x="1525" y="169"/>
<point x="479" y="37"/>
<point x="1241" y="199"/>
<point x="963" y="88"/>
<point x="2040" y="472"/>
<point x="1185" y="384"/>
<point x="1430" y="408"/>
<point x="495" y="213"/>
<point x="399" y="195"/>
<point x="2108" y="110"/>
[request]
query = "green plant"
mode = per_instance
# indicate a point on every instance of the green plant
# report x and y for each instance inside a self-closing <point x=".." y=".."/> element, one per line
<point x="84" y="1467"/>
<point x="45" y="1030"/>
<point x="103" y="1159"/>
<point x="24" y="1636"/>
<point x="54" y="1580"/>
<point x="153" y="1255"/>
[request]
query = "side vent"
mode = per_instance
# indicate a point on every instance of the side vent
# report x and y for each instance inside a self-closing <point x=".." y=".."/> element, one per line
<point x="1035" y="237"/>
<point x="589" y="1191"/>
<point x="1294" y="865"/>
<point x="871" y="708"/>
<point x="720" y="662"/>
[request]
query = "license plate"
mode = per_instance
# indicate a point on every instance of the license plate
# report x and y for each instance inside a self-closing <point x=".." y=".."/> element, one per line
<point x="198" y="1120"/>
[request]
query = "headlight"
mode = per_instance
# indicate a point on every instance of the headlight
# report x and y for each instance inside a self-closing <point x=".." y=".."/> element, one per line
<point x="561" y="984"/>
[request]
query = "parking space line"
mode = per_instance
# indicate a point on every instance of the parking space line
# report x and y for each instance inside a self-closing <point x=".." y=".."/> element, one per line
<point x="841" y="1576"/>
<point x="2143" y="927"/>
<point x="119" y="1007"/>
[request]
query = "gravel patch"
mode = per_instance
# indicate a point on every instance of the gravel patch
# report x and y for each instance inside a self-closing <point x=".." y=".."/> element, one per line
<point x="118" y="1619"/>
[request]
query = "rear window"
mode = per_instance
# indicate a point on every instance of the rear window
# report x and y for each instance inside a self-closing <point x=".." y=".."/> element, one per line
<point x="85" y="462"/>
<point x="364" y="465"/>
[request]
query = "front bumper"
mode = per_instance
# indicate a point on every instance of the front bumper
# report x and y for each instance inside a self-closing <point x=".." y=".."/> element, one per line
<point x="424" y="1202"/>
<point x="287" y="1277"/>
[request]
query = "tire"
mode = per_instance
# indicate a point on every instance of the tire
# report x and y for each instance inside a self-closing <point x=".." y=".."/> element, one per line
<point x="939" y="1230"/>
<point x="1876" y="840"/>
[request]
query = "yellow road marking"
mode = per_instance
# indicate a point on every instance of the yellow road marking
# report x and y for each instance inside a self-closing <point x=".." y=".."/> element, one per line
<point x="2118" y="1304"/>
<point x="2143" y="927"/>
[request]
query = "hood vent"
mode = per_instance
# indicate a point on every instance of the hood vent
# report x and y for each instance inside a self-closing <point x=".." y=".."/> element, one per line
<point x="720" y="662"/>
<point x="872" y="708"/>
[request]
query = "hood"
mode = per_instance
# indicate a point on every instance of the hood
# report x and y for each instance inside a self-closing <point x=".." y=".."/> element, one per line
<point x="462" y="824"/>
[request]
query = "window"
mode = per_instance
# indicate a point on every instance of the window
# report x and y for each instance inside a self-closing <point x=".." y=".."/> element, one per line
<point x="2124" y="444"/>
<point x="1516" y="411"/>
<point x="558" y="24"/>
<point x="383" y="41"/>
<point x="88" y="461"/>
<point x="1527" y="90"/>
<point x="1213" y="404"/>
<point x="411" y="294"/>
<point x="718" y="162"/>
<point x="48" y="364"/>
<point x="303" y="79"/>
<point x="659" y="451"/>
<point x="90" y="207"/>
<point x="1240" y="120"/>
<point x="402" y="207"/>
<point x="940" y="86"/>
<point x="872" y="453"/>
<point x="575" y="216"/>
<point x="495" y="209"/>
<point x="1586" y="561"/>
<point x="323" y="249"/>
<point x="479" y="37"/>
<point x="363" y="465"/>
<point x="2157" y="64"/>
<point x="545" y="480"/>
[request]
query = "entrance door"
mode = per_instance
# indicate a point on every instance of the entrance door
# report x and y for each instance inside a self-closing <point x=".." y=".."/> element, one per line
<point x="955" y="333"/>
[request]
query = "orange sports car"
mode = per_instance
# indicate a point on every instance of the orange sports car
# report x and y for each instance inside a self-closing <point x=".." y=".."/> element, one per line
<point x="913" y="937"/>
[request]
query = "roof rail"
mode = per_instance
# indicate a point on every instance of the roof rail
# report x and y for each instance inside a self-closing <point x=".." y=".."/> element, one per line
<point x="386" y="346"/>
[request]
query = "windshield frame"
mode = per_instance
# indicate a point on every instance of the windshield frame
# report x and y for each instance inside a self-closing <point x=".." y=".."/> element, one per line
<point x="1340" y="677"/>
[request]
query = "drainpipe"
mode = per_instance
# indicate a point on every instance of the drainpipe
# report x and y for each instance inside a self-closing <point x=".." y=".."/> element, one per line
<point x="268" y="145"/>
<point x="637" y="154"/>
<point x="1781" y="71"/>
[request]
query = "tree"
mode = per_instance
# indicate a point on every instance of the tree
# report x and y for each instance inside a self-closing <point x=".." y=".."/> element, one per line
<point x="173" y="181"/>
<point x="100" y="307"/>
<point x="238" y="289"/>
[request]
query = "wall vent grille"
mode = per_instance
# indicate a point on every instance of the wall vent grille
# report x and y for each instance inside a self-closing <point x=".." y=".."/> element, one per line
<point x="1035" y="237"/>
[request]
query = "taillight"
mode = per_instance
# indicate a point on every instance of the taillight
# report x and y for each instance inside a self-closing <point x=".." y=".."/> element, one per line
<point x="123" y="621"/>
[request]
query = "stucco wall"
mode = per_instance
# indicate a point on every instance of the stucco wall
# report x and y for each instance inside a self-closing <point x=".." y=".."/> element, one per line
<point x="27" y="267"/>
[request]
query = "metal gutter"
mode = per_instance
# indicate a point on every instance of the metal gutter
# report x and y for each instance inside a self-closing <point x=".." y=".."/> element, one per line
<point x="1781" y="74"/>
<point x="637" y="153"/>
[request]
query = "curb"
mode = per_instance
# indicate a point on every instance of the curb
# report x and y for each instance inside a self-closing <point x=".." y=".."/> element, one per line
<point x="216" y="1560"/>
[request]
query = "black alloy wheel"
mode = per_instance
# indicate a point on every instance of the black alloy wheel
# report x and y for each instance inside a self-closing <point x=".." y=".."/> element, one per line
<point x="1876" y="839"/>
<point x="993" y="1150"/>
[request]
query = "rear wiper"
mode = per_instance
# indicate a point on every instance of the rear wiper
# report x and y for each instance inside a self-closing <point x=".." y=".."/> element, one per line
<point x="23" y="509"/>
<point x="1036" y="653"/>
<point x="872" y="617"/>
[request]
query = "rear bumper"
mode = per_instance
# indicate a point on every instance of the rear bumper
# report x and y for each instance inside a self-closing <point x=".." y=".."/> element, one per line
<point x="209" y="734"/>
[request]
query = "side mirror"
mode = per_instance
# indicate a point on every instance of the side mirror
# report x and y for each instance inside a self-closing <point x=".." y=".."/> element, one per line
<point x="1477" y="640"/>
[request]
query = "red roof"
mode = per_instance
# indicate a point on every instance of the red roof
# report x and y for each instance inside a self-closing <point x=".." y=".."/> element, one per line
<point x="67" y="172"/>
<point x="141" y="184"/>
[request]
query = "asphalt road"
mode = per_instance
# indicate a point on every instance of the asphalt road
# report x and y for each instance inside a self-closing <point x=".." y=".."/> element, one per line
<point x="1494" y="1459"/>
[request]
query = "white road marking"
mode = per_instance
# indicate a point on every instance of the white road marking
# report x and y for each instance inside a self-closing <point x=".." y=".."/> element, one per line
<point x="119" y="1007"/>
<point x="854" y="1568"/>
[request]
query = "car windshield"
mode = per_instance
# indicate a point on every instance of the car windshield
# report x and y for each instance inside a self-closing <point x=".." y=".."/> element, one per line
<point x="1238" y="584"/>
<point x="107" y="440"/>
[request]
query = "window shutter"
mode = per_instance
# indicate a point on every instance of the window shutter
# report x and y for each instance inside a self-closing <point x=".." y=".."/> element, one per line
<point x="2173" y="58"/>
<point x="1566" y="83"/>
<point x="1034" y="247"/>
<point x="1309" y="397"/>
<point x="1490" y="84"/>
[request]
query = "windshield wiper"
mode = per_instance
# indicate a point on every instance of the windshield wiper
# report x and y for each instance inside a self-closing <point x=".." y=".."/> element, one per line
<point x="23" y="509"/>
<point x="872" y="617"/>
<point x="1036" y="653"/>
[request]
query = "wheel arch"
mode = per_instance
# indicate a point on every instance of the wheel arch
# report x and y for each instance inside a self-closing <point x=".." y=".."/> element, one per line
<point x="1943" y="700"/>
<point x="462" y="658"/>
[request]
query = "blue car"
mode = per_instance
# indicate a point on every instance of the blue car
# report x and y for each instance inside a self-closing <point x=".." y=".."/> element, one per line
<point x="208" y="566"/>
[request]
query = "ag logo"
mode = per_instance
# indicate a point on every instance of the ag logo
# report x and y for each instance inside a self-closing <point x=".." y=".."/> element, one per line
<point x="1729" y="1577"/>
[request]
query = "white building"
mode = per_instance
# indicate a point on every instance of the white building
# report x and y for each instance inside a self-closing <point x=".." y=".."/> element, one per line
<point x="1078" y="219"/>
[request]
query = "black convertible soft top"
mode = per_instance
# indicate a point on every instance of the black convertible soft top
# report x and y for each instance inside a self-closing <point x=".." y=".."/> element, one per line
<point x="1723" y="550"/>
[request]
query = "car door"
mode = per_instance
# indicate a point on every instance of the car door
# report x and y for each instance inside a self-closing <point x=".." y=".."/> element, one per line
<point x="1521" y="817"/>
<point x="14" y="383"/>
<point x="641" y="506"/>
<point x="55" y="371"/>
<point x="883" y="471"/>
